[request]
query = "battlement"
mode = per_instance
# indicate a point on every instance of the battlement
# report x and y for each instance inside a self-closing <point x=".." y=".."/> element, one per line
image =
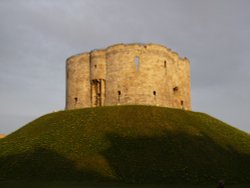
<point x="121" y="74"/>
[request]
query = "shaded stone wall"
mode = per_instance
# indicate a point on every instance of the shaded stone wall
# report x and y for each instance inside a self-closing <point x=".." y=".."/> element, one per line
<point x="121" y="74"/>
<point x="97" y="77"/>
<point x="78" y="81"/>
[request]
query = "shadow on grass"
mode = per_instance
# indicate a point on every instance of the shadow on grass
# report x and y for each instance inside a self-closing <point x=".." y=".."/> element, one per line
<point x="175" y="158"/>
<point x="170" y="159"/>
<point x="42" y="164"/>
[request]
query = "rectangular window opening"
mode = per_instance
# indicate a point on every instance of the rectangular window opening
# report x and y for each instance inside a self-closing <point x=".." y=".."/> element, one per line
<point x="137" y="63"/>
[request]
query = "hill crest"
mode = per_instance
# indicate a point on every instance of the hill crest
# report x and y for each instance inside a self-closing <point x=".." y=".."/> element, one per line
<point x="139" y="144"/>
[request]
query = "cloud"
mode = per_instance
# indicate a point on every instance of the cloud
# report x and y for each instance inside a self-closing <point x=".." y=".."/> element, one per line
<point x="37" y="36"/>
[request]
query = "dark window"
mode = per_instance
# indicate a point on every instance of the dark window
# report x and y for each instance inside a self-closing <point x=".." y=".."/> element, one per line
<point x="175" y="89"/>
<point x="154" y="93"/>
<point x="165" y="64"/>
<point x="95" y="66"/>
<point x="182" y="104"/>
<point x="119" y="96"/>
<point x="76" y="99"/>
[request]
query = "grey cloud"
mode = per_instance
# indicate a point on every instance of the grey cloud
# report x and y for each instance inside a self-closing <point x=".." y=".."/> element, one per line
<point x="37" y="36"/>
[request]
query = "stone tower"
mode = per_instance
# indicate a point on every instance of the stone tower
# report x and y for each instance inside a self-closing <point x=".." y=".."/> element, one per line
<point x="128" y="74"/>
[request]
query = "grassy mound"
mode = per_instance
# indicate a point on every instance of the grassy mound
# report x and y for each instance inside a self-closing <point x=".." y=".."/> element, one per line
<point x="136" y="144"/>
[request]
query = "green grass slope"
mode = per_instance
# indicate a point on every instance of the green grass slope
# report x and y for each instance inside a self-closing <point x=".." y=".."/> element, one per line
<point x="135" y="144"/>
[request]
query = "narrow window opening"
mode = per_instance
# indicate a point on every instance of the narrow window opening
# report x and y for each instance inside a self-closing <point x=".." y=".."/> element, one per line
<point x="95" y="66"/>
<point x="165" y="64"/>
<point x="175" y="89"/>
<point x="182" y="104"/>
<point x="137" y="62"/>
<point x="154" y="93"/>
<point x="119" y="96"/>
<point x="76" y="99"/>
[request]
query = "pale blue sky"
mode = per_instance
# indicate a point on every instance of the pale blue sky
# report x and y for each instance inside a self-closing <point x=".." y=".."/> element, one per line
<point x="36" y="36"/>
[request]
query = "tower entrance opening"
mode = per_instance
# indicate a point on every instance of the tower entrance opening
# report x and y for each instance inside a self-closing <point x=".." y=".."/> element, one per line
<point x="97" y="92"/>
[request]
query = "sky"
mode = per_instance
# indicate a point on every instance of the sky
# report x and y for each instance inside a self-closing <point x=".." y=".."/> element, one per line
<point x="36" y="37"/>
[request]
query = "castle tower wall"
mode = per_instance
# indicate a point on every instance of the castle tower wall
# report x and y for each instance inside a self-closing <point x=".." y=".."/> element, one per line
<point x="98" y="77"/>
<point x="185" y="82"/>
<point x="178" y="83"/>
<point x="78" y="81"/>
<point x="145" y="74"/>
<point x="137" y="74"/>
<point x="98" y="64"/>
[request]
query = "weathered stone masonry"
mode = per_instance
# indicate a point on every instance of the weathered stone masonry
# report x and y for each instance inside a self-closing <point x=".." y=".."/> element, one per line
<point x="124" y="74"/>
